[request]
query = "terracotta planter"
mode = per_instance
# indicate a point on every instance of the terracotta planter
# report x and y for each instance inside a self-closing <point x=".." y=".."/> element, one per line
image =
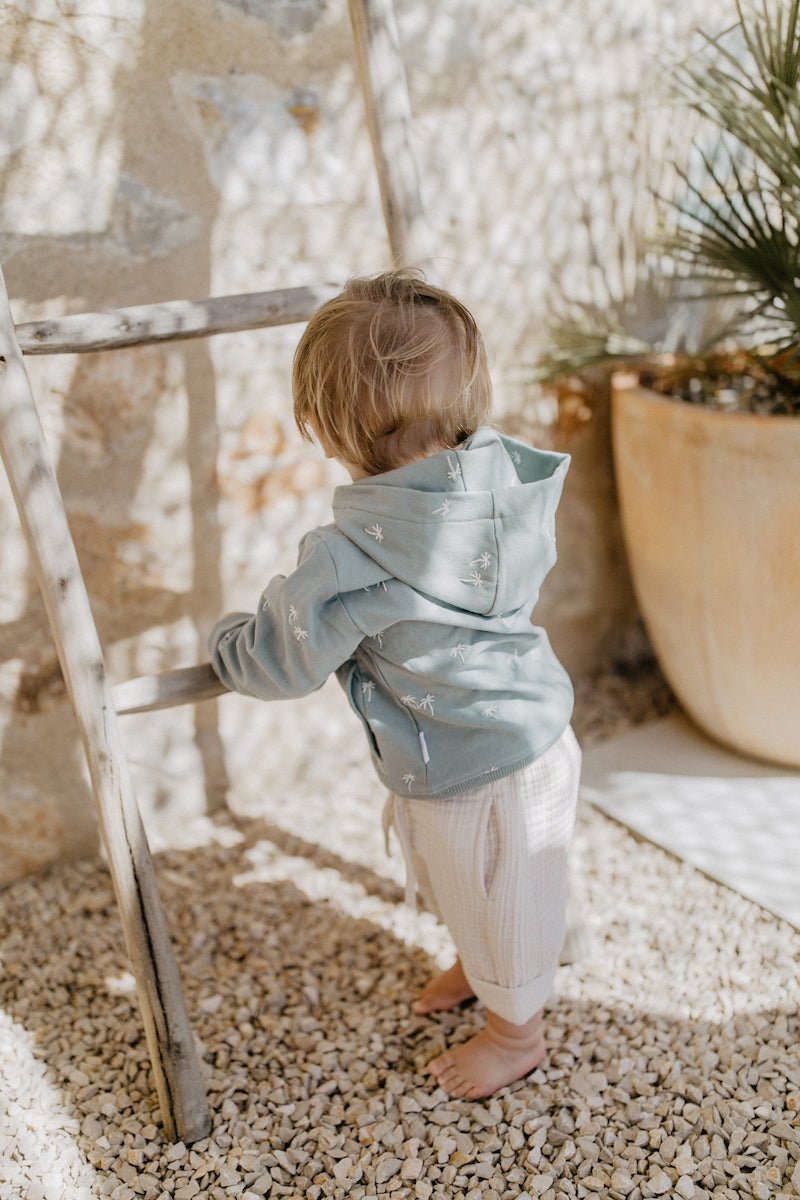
<point x="710" y="507"/>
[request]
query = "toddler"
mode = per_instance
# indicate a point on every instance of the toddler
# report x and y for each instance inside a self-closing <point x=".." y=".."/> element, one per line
<point x="419" y="597"/>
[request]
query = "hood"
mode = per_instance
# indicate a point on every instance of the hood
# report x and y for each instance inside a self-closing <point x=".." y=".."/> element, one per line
<point x="473" y="527"/>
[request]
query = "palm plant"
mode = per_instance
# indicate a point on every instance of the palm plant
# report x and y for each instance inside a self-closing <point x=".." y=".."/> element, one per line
<point x="738" y="226"/>
<point x="731" y="242"/>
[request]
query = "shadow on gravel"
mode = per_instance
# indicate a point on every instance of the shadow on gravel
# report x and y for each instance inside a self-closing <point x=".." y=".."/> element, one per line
<point x="314" y="1064"/>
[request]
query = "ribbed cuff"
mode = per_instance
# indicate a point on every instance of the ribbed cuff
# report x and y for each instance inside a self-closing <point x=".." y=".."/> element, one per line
<point x="517" y="1004"/>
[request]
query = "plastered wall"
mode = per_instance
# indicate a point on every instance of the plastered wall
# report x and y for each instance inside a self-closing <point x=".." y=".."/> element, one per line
<point x="151" y="151"/>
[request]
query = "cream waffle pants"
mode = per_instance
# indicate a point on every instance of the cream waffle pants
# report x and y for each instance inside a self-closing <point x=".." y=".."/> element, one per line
<point x="492" y="865"/>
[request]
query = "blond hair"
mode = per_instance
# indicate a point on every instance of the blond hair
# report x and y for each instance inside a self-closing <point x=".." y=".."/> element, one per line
<point x="390" y="371"/>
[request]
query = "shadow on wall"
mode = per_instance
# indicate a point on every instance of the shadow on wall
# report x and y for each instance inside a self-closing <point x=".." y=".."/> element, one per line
<point x="134" y="432"/>
<point x="161" y="151"/>
<point x="151" y="155"/>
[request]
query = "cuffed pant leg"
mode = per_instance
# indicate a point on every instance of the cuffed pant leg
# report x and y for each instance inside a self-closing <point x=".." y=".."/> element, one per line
<point x="495" y="862"/>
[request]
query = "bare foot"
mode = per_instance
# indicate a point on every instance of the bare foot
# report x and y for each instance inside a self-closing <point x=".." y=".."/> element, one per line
<point x="498" y="1055"/>
<point x="444" y="992"/>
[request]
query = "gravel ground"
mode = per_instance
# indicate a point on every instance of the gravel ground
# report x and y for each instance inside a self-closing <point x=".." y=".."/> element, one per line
<point x="674" y="1067"/>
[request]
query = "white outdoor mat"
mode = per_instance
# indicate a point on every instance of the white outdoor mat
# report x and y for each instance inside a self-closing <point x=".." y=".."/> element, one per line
<point x="735" y="819"/>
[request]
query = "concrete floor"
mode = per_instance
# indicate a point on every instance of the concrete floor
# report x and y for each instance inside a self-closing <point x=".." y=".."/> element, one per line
<point x="735" y="819"/>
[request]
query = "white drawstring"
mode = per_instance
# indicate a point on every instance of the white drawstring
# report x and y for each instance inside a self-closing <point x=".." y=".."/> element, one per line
<point x="394" y="817"/>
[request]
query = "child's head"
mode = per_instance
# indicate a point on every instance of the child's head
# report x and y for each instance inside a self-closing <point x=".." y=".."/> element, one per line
<point x="390" y="371"/>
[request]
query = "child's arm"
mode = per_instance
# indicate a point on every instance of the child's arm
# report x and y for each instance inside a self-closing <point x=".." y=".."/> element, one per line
<point x="300" y="634"/>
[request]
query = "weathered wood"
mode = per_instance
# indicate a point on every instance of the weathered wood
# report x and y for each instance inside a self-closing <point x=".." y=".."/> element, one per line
<point x="35" y="488"/>
<point x="388" y="113"/>
<point x="186" y="685"/>
<point x="174" y="320"/>
<point x="33" y="482"/>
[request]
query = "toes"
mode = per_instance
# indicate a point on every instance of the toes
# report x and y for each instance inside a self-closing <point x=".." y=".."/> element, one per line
<point x="449" y="1077"/>
<point x="444" y="1069"/>
<point x="424" y="1003"/>
<point x="438" y="1066"/>
<point x="463" y="1090"/>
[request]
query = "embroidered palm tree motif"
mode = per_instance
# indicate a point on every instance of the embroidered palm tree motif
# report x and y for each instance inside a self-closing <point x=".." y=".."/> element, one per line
<point x="490" y="710"/>
<point x="375" y="531"/>
<point x="423" y="704"/>
<point x="516" y="456"/>
<point x="484" y="561"/>
<point x="475" y="580"/>
<point x="442" y="510"/>
<point x="455" y="469"/>
<point x="408" y="779"/>
<point x="300" y="635"/>
<point x="458" y="651"/>
<point x="367" y="688"/>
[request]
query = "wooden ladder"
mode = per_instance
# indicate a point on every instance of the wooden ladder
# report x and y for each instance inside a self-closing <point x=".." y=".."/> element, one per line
<point x="176" y="1068"/>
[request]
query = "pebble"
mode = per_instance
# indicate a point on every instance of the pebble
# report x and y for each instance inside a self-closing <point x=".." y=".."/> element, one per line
<point x="673" y="1066"/>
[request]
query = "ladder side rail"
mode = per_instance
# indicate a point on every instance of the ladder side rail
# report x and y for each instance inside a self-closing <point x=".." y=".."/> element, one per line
<point x="36" y="493"/>
<point x="388" y="114"/>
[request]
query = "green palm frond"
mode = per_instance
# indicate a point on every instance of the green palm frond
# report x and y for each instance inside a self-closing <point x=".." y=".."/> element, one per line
<point x="738" y="230"/>
<point x="729" y="247"/>
<point x="750" y="89"/>
<point x="574" y="347"/>
<point x="763" y="80"/>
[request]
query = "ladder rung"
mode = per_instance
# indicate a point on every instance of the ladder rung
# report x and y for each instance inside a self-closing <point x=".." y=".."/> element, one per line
<point x="186" y="685"/>
<point x="172" y="321"/>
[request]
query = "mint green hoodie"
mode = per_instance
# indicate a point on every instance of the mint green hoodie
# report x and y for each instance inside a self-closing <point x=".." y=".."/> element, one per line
<point x="419" y="598"/>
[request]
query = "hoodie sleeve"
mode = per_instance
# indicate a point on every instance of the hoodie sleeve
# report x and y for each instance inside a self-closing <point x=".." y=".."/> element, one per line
<point x="300" y="634"/>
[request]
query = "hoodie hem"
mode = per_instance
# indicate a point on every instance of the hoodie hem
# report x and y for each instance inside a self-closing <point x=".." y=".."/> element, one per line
<point x="481" y="780"/>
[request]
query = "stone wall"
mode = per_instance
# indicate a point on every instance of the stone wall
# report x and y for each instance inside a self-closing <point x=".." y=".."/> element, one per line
<point x="153" y="151"/>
